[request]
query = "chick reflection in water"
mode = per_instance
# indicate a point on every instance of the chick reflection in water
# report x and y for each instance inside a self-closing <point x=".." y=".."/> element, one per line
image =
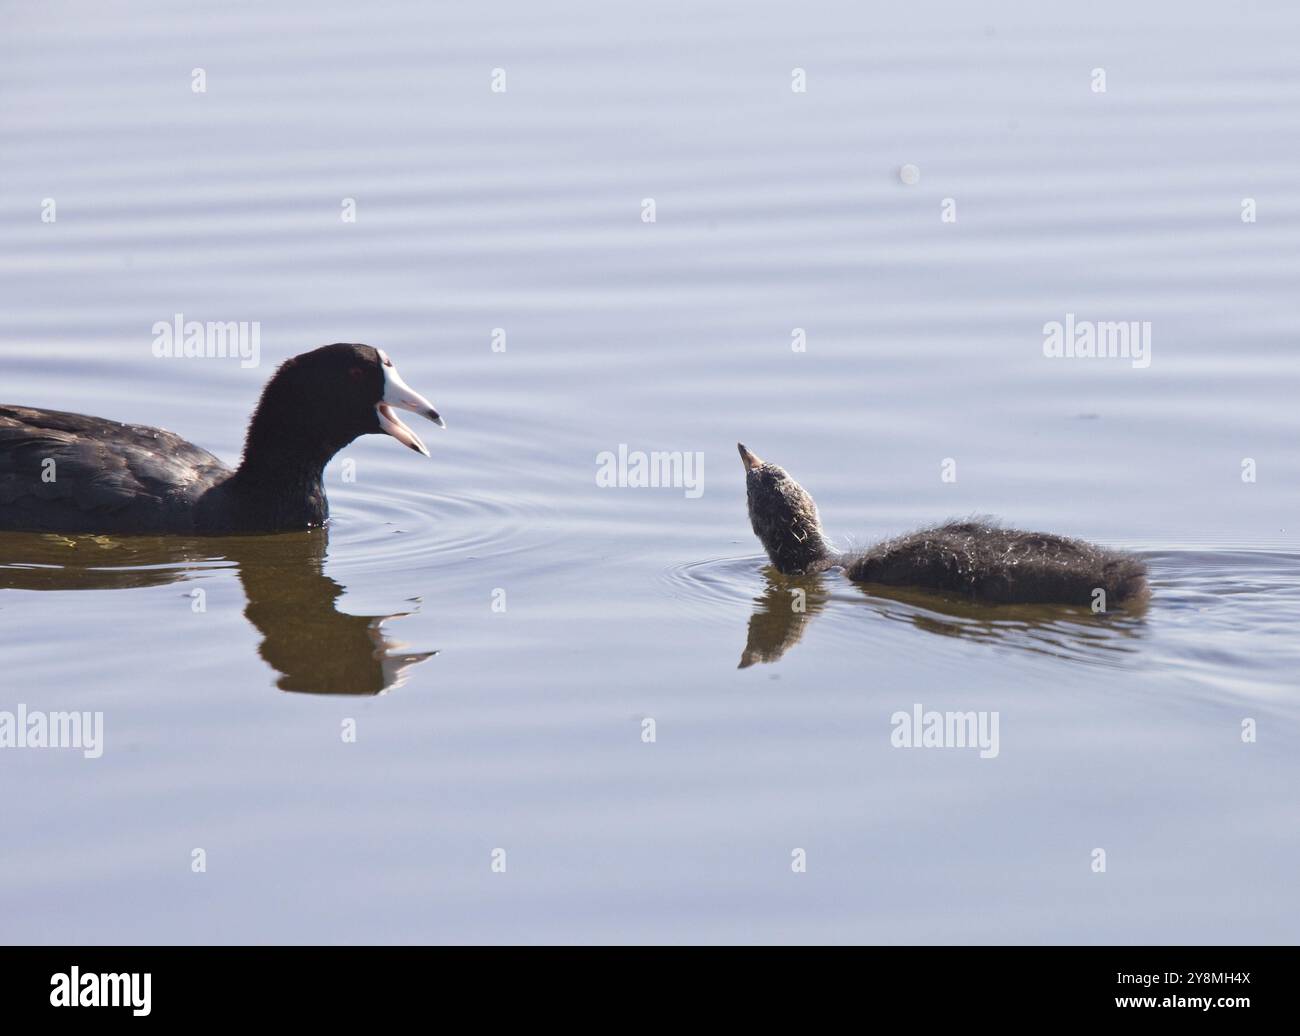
<point x="784" y="610"/>
<point x="780" y="616"/>
<point x="312" y="645"/>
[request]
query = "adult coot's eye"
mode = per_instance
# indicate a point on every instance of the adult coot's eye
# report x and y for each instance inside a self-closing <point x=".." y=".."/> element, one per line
<point x="387" y="362"/>
<point x="355" y="374"/>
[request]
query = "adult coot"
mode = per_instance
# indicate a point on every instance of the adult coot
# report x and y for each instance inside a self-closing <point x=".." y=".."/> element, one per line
<point x="976" y="559"/>
<point x="62" y="472"/>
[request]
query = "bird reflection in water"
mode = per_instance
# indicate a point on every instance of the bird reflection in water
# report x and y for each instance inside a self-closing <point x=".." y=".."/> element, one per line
<point x="783" y="611"/>
<point x="780" y="615"/>
<point x="314" y="647"/>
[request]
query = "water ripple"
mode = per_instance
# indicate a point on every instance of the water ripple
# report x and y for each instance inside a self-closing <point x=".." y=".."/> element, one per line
<point x="1208" y="611"/>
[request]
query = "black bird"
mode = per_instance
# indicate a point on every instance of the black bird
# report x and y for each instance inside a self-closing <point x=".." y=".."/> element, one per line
<point x="976" y="559"/>
<point x="70" y="473"/>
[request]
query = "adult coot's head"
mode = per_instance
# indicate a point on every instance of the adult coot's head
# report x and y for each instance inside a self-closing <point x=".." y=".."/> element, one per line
<point x="784" y="517"/>
<point x="320" y="401"/>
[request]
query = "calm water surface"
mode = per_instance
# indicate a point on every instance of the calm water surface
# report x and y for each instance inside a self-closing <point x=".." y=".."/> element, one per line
<point x="480" y="728"/>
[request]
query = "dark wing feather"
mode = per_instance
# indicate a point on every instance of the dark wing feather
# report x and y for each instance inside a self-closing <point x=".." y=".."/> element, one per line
<point x="105" y="476"/>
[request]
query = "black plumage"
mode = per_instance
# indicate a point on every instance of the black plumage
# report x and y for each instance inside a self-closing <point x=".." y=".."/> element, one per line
<point x="71" y="473"/>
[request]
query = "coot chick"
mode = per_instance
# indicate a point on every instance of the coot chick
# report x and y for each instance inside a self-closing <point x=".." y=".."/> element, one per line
<point x="977" y="559"/>
<point x="70" y="473"/>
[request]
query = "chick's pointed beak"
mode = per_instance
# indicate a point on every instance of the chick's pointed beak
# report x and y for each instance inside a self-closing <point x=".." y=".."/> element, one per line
<point x="750" y="460"/>
<point x="398" y="394"/>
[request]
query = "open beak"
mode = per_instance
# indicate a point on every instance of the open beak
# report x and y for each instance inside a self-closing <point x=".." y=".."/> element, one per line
<point x="398" y="394"/>
<point x="750" y="460"/>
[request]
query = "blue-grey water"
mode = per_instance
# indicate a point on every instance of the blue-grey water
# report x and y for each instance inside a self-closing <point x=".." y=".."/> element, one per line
<point x="523" y="622"/>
